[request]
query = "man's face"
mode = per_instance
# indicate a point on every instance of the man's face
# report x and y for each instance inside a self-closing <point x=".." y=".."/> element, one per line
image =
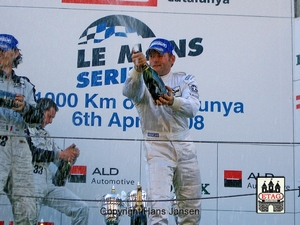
<point x="49" y="115"/>
<point x="7" y="57"/>
<point x="161" y="63"/>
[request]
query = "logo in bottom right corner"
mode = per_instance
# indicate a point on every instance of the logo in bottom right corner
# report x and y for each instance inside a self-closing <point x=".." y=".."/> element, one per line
<point x="270" y="195"/>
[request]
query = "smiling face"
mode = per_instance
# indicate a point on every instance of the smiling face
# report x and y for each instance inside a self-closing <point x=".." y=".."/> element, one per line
<point x="161" y="63"/>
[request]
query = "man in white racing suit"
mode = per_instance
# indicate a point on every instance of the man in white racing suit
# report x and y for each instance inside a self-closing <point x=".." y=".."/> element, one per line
<point x="17" y="111"/>
<point x="44" y="151"/>
<point x="170" y="155"/>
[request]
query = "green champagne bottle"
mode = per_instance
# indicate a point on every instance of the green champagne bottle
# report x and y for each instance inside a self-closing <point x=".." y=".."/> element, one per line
<point x="62" y="173"/>
<point x="153" y="82"/>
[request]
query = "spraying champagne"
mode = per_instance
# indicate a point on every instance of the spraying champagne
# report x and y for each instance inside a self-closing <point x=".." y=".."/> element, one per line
<point x="153" y="82"/>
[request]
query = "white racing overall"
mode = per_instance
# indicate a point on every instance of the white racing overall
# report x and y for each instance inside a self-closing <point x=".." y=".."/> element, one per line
<point x="59" y="198"/>
<point x="170" y="155"/>
<point x="15" y="157"/>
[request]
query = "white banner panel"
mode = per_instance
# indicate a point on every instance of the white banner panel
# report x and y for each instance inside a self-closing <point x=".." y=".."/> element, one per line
<point x="296" y="55"/>
<point x="241" y="53"/>
<point x="242" y="77"/>
<point x="267" y="8"/>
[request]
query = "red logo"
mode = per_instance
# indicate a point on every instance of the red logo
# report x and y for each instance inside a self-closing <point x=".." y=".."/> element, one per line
<point x="297" y="101"/>
<point x="115" y="2"/>
<point x="233" y="178"/>
<point x="271" y="196"/>
<point x="77" y="174"/>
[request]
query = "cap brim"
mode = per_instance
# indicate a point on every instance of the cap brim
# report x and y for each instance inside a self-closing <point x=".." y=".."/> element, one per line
<point x="155" y="49"/>
<point x="4" y="47"/>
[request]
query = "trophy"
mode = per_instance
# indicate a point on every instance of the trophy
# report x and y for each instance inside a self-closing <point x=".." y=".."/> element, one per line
<point x="137" y="205"/>
<point x="111" y="206"/>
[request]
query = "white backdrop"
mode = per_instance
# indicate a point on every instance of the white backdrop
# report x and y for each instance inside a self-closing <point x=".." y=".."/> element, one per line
<point x="245" y="68"/>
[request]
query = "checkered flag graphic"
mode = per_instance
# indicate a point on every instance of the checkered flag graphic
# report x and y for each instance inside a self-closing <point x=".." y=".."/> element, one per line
<point x="101" y="32"/>
<point x="117" y="26"/>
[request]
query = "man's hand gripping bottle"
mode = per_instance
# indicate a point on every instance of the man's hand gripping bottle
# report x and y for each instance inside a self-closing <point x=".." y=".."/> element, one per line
<point x="153" y="82"/>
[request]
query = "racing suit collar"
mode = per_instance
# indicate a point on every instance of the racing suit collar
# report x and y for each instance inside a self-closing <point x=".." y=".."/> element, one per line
<point x="14" y="77"/>
<point x="166" y="77"/>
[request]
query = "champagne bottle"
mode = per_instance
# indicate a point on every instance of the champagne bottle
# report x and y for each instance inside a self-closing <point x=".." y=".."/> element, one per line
<point x="7" y="99"/>
<point x="63" y="172"/>
<point x="139" y="215"/>
<point x="154" y="83"/>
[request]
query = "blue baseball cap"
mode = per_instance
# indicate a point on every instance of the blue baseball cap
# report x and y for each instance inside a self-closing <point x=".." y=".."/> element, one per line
<point x="160" y="45"/>
<point x="7" y="42"/>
